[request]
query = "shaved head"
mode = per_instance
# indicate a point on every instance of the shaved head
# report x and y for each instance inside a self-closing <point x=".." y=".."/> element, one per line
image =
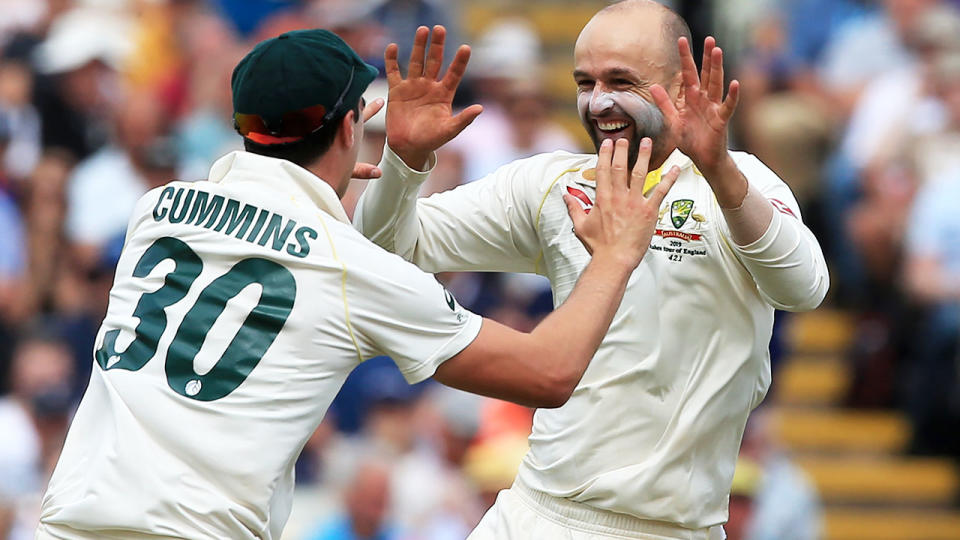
<point x="671" y="24"/>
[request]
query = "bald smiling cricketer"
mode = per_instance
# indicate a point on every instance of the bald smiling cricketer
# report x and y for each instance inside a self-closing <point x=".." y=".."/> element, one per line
<point x="646" y="446"/>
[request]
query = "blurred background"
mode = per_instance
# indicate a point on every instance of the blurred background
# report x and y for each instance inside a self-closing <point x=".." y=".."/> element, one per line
<point x="855" y="103"/>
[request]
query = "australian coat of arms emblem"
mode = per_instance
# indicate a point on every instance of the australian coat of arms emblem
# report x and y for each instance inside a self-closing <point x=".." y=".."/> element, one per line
<point x="680" y="211"/>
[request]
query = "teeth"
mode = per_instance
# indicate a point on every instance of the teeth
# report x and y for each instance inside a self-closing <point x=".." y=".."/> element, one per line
<point x="612" y="126"/>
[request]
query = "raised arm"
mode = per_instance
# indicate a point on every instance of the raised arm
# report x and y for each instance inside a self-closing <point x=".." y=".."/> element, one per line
<point x="760" y="213"/>
<point x="482" y="226"/>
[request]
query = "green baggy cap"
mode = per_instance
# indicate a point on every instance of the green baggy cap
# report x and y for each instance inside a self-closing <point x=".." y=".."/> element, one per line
<point x="298" y="70"/>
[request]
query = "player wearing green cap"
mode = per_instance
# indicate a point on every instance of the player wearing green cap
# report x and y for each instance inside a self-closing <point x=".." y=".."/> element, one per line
<point x="241" y="303"/>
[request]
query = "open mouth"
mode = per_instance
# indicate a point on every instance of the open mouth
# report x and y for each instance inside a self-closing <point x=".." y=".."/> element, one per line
<point x="609" y="128"/>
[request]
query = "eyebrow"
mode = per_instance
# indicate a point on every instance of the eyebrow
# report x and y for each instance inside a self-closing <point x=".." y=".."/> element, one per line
<point x="612" y="72"/>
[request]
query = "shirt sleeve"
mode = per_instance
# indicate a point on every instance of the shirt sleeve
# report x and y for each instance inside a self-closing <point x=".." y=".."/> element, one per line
<point x="400" y="311"/>
<point x="787" y="262"/>
<point x="487" y="225"/>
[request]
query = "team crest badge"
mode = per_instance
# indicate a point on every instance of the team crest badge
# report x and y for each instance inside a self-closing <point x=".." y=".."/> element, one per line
<point x="680" y="211"/>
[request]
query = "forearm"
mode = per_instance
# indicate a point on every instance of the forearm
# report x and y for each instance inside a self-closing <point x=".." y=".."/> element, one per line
<point x="542" y="368"/>
<point x="571" y="334"/>
<point x="483" y="226"/>
<point x="747" y="212"/>
<point x="387" y="211"/>
<point x="781" y="254"/>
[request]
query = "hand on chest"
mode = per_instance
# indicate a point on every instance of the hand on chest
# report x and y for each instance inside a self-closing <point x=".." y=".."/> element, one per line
<point x="687" y="224"/>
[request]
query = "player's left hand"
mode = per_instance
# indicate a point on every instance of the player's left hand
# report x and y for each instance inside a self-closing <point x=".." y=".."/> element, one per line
<point x="700" y="123"/>
<point x="368" y="171"/>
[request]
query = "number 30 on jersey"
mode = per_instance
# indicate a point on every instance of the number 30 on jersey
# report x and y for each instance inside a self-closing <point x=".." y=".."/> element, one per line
<point x="244" y="352"/>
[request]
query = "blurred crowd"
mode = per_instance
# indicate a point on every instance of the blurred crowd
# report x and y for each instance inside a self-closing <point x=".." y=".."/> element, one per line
<point x="856" y="103"/>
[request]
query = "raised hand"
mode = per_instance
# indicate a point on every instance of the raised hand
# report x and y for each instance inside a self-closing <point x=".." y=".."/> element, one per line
<point x="623" y="219"/>
<point x="420" y="115"/>
<point x="700" y="124"/>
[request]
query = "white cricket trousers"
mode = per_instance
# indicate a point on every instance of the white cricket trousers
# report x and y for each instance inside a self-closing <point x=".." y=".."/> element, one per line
<point x="521" y="513"/>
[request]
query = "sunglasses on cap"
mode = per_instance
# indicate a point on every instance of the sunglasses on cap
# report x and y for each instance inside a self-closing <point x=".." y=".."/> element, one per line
<point x="293" y="126"/>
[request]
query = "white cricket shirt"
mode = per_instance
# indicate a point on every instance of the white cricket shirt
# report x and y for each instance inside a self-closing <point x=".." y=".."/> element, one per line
<point x="654" y="427"/>
<point x="240" y="305"/>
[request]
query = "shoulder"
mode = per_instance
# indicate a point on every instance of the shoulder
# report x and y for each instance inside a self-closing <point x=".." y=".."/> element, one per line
<point x="755" y="170"/>
<point x="355" y="251"/>
<point x="542" y="171"/>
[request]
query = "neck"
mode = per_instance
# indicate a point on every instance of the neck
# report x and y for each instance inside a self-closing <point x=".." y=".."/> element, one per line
<point x="328" y="174"/>
<point x="659" y="156"/>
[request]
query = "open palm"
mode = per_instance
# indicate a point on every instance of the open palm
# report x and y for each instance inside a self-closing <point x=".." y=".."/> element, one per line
<point x="420" y="115"/>
<point x="700" y="123"/>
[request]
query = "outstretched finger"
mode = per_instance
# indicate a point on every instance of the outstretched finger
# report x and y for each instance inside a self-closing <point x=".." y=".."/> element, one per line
<point x="730" y="104"/>
<point x="604" y="157"/>
<point x="619" y="168"/>
<point x="372" y="109"/>
<point x="435" y="54"/>
<point x="715" y="89"/>
<point x="663" y="102"/>
<point x="391" y="66"/>
<point x="415" y="67"/>
<point x="457" y="68"/>
<point x="366" y="171"/>
<point x="660" y="191"/>
<point x="639" y="174"/>
<point x="708" y="44"/>
<point x="687" y="65"/>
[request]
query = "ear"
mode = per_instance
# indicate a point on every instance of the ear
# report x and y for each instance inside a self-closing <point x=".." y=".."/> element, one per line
<point x="677" y="89"/>
<point x="347" y="133"/>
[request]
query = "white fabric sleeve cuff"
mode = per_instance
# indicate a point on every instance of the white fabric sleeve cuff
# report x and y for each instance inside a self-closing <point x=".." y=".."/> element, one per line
<point x="401" y="170"/>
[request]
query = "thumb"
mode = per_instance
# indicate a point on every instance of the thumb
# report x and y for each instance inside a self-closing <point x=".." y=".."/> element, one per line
<point x="579" y="216"/>
<point x="577" y="213"/>
<point x="465" y="118"/>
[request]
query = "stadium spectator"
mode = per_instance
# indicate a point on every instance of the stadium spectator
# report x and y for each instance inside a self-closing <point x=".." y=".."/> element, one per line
<point x="79" y="61"/>
<point x="506" y="74"/>
<point x="366" y="501"/>
<point x="138" y="158"/>
<point x="932" y="272"/>
<point x="33" y="420"/>
<point x="772" y="499"/>
<point x="20" y="132"/>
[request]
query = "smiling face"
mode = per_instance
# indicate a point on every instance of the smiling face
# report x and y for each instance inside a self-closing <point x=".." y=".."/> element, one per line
<point x="618" y="57"/>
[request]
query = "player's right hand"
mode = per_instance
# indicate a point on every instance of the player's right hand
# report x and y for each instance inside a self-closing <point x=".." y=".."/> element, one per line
<point x="420" y="115"/>
<point x="623" y="219"/>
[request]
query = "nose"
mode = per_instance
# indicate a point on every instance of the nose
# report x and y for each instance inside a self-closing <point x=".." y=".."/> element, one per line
<point x="600" y="101"/>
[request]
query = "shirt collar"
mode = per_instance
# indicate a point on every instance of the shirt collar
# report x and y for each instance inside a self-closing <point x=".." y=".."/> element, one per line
<point x="278" y="175"/>
<point x="588" y="176"/>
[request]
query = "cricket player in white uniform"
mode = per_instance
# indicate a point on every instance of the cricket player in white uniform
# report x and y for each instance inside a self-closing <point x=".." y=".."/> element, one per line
<point x="241" y="304"/>
<point x="646" y="446"/>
